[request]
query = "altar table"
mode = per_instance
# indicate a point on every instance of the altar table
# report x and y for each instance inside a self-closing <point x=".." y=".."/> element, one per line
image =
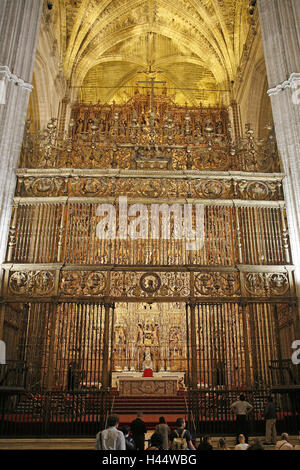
<point x="132" y="386"/>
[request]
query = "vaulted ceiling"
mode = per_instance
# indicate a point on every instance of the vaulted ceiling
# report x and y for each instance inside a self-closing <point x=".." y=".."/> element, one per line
<point x="196" y="45"/>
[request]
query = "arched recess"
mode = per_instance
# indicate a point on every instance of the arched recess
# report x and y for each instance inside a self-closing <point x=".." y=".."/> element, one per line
<point x="256" y="94"/>
<point x="50" y="84"/>
<point x="33" y="113"/>
<point x="251" y="95"/>
<point x="265" y="114"/>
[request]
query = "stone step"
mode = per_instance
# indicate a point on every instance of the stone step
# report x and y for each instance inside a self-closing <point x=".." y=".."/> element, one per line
<point x="88" y="443"/>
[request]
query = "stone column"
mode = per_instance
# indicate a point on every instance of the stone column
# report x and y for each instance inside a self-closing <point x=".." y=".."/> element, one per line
<point x="280" y="20"/>
<point x="19" y="28"/>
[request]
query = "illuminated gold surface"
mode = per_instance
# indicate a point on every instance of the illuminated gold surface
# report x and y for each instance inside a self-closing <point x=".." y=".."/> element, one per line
<point x="196" y="44"/>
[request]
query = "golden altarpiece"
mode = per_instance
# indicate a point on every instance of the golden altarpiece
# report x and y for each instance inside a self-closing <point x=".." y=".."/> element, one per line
<point x="78" y="308"/>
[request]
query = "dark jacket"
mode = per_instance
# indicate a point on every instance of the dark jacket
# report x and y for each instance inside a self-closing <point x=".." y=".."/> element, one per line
<point x="129" y="443"/>
<point x="270" y="410"/>
<point x="205" y="447"/>
<point x="138" y="427"/>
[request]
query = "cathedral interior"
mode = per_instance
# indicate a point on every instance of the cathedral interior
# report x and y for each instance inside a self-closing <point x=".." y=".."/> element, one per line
<point x="165" y="104"/>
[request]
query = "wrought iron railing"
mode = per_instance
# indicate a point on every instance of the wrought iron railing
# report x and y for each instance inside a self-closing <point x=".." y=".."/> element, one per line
<point x="210" y="410"/>
<point x="53" y="413"/>
<point x="284" y="372"/>
<point x="13" y="374"/>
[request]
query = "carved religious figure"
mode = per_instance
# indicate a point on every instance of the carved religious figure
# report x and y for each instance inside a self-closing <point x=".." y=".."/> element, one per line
<point x="148" y="363"/>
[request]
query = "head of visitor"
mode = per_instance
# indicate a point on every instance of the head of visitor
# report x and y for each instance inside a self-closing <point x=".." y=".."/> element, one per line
<point x="162" y="420"/>
<point x="222" y="443"/>
<point x="140" y="414"/>
<point x="257" y="444"/>
<point x="125" y="430"/>
<point x="156" y="440"/>
<point x="285" y="436"/>
<point x="207" y="440"/>
<point x="241" y="439"/>
<point x="113" y="421"/>
<point x="180" y="423"/>
<point x="242" y="397"/>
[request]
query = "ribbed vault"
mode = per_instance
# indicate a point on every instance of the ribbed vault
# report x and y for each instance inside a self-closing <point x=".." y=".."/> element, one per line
<point x="196" y="44"/>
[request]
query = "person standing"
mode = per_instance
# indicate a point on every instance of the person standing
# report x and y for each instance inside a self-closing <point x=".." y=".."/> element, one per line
<point x="70" y="378"/>
<point x="138" y="430"/>
<point x="163" y="429"/>
<point x="242" y="408"/>
<point x="181" y="438"/>
<point x="111" y="438"/>
<point x="270" y="417"/>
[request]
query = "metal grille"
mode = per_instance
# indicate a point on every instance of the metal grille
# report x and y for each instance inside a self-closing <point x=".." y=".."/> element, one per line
<point x="262" y="230"/>
<point x="239" y="345"/>
<point x="61" y="345"/>
<point x="51" y="383"/>
<point x="37" y="232"/>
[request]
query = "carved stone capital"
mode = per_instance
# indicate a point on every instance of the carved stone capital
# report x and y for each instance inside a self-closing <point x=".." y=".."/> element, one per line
<point x="292" y="82"/>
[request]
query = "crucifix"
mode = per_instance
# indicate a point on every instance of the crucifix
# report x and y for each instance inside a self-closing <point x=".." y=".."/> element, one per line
<point x="152" y="82"/>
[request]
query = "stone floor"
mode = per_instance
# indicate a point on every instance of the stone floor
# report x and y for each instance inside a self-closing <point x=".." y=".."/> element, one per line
<point x="88" y="443"/>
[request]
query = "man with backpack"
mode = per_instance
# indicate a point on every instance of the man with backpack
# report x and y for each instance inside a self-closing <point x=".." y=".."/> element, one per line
<point x="181" y="438"/>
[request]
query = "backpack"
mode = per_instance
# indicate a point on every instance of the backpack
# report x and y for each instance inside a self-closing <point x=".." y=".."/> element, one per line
<point x="179" y="442"/>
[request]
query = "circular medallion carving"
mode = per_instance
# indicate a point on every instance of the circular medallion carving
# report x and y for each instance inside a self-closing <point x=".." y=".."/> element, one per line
<point x="279" y="283"/>
<point x="17" y="282"/>
<point x="150" y="283"/>
<point x="92" y="186"/>
<point x="209" y="189"/>
<point x="95" y="283"/>
<point x="257" y="190"/>
<point x="254" y="283"/>
<point x="152" y="189"/>
<point x="33" y="283"/>
<point x="43" y="186"/>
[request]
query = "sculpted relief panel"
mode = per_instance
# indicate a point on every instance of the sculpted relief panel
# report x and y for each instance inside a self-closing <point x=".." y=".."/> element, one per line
<point x="35" y="283"/>
<point x="149" y="284"/>
<point x="267" y="284"/>
<point x="217" y="284"/>
<point x="163" y="284"/>
<point x="200" y="188"/>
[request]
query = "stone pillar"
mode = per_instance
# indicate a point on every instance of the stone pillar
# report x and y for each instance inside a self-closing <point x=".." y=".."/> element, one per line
<point x="280" y="20"/>
<point x="19" y="28"/>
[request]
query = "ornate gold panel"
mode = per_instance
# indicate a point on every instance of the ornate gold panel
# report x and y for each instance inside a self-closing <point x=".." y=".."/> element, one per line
<point x="217" y="284"/>
<point x="154" y="187"/>
<point x="31" y="283"/>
